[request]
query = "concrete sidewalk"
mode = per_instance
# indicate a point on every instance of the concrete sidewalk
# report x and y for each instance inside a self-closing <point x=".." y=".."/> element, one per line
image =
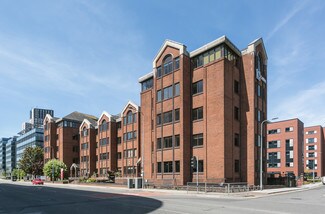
<point x="125" y="190"/>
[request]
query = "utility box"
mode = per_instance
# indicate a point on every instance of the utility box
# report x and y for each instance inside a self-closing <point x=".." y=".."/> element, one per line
<point x="131" y="184"/>
<point x="138" y="183"/>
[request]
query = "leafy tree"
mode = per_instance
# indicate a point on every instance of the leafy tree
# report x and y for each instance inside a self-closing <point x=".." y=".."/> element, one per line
<point x="32" y="161"/>
<point x="19" y="173"/>
<point x="55" y="166"/>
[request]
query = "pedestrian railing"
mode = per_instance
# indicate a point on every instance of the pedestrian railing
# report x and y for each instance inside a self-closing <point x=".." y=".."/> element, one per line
<point x="220" y="187"/>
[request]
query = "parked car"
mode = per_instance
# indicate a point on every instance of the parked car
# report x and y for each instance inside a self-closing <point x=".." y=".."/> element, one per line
<point x="37" y="181"/>
<point x="323" y="180"/>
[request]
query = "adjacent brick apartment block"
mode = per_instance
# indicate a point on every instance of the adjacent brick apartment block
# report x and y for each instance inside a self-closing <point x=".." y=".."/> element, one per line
<point x="314" y="161"/>
<point x="61" y="137"/>
<point x="285" y="148"/>
<point x="88" y="145"/>
<point x="119" y="142"/>
<point x="207" y="103"/>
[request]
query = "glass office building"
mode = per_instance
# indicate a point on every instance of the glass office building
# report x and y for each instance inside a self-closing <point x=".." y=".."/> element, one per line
<point x="31" y="138"/>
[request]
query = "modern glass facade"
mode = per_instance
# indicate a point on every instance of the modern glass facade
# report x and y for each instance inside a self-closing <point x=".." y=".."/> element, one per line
<point x="11" y="154"/>
<point x="3" y="143"/>
<point x="34" y="137"/>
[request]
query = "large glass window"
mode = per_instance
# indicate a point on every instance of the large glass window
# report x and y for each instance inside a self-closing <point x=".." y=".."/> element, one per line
<point x="168" y="65"/>
<point x="197" y="87"/>
<point x="104" y="126"/>
<point x="147" y="84"/>
<point x="168" y="92"/>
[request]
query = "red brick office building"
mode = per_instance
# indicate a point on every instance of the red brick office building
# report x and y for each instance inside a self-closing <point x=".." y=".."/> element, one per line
<point x="207" y="103"/>
<point x="314" y="148"/>
<point x="285" y="146"/>
<point x="62" y="137"/>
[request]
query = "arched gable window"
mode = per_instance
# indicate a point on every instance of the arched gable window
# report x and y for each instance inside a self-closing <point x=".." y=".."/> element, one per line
<point x="168" y="64"/>
<point x="129" y="117"/>
<point x="103" y="126"/>
<point x="259" y="66"/>
<point x="84" y="132"/>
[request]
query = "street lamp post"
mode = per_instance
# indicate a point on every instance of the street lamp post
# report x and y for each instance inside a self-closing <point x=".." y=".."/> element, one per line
<point x="261" y="152"/>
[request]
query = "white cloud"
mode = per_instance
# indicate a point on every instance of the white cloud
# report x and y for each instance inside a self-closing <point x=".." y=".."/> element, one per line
<point x="306" y="104"/>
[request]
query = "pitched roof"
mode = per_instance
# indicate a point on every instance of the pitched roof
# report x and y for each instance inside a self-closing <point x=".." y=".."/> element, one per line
<point x="77" y="116"/>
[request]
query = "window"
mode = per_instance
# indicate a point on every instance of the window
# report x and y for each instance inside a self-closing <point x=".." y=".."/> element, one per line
<point x="311" y="140"/>
<point x="104" y="141"/>
<point x="311" y="132"/>
<point x="237" y="140"/>
<point x="168" y="117"/>
<point x="103" y="127"/>
<point x="84" y="158"/>
<point x="176" y="114"/>
<point x="289" y="144"/>
<point x="159" y="97"/>
<point x="159" y="167"/>
<point x="197" y="87"/>
<point x="168" y="142"/>
<point x="168" y="65"/>
<point x="236" y="113"/>
<point x="159" y="73"/>
<point x="129" y="135"/>
<point x="177" y="63"/>
<point x="197" y="113"/>
<point x="177" y="166"/>
<point x="289" y="129"/>
<point x="177" y="141"/>
<point x="119" y="155"/>
<point x="274" y="131"/>
<point x="197" y="140"/>
<point x="200" y="166"/>
<point x="313" y="147"/>
<point x="159" y="143"/>
<point x="176" y="89"/>
<point x="103" y="156"/>
<point x="168" y="167"/>
<point x="129" y="153"/>
<point x="118" y="125"/>
<point x="168" y="92"/>
<point x="236" y="86"/>
<point x="236" y="165"/>
<point x="84" y="146"/>
<point x="273" y="159"/>
<point x="84" y="132"/>
<point x="273" y="144"/>
<point x="147" y="84"/>
<point x="158" y="119"/>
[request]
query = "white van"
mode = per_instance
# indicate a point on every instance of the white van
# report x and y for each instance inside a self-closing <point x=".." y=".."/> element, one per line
<point x="323" y="180"/>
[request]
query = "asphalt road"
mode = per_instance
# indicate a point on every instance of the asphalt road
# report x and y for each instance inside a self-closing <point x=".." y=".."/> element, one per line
<point x="77" y="200"/>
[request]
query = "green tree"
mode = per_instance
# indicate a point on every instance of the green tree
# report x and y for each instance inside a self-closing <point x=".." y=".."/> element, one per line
<point x="55" y="166"/>
<point x="19" y="173"/>
<point x="32" y="161"/>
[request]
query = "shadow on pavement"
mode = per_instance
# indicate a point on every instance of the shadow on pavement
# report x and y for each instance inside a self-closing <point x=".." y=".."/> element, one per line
<point x="43" y="199"/>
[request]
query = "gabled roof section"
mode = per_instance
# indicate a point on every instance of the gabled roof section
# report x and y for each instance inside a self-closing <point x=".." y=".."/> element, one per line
<point x="49" y="118"/>
<point x="77" y="116"/>
<point x="90" y="123"/>
<point x="146" y="76"/>
<point x="170" y="43"/>
<point x="110" y="117"/>
<point x="220" y="40"/>
<point x="130" y="103"/>
<point x="252" y="47"/>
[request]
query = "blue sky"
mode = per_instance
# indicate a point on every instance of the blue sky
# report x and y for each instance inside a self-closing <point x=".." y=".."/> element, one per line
<point x="87" y="56"/>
